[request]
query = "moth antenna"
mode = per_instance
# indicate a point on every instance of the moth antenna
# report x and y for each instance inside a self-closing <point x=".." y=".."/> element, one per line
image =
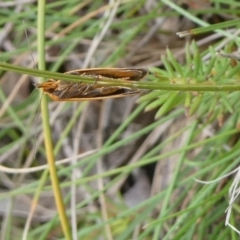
<point x="36" y="129"/>
<point x="38" y="111"/>
<point x="26" y="34"/>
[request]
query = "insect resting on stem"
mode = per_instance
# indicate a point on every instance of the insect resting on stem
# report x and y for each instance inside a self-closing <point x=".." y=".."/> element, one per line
<point x="60" y="90"/>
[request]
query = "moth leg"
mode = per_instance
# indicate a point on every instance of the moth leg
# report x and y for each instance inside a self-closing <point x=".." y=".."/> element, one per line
<point x="64" y="93"/>
<point x="96" y="79"/>
<point x="87" y="87"/>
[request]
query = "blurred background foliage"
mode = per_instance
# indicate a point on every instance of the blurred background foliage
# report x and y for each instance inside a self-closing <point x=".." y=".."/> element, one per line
<point x="132" y="162"/>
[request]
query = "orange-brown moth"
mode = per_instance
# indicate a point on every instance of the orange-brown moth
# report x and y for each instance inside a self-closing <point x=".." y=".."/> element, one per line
<point x="60" y="90"/>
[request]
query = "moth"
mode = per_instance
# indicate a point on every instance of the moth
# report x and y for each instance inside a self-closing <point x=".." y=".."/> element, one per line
<point x="60" y="90"/>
